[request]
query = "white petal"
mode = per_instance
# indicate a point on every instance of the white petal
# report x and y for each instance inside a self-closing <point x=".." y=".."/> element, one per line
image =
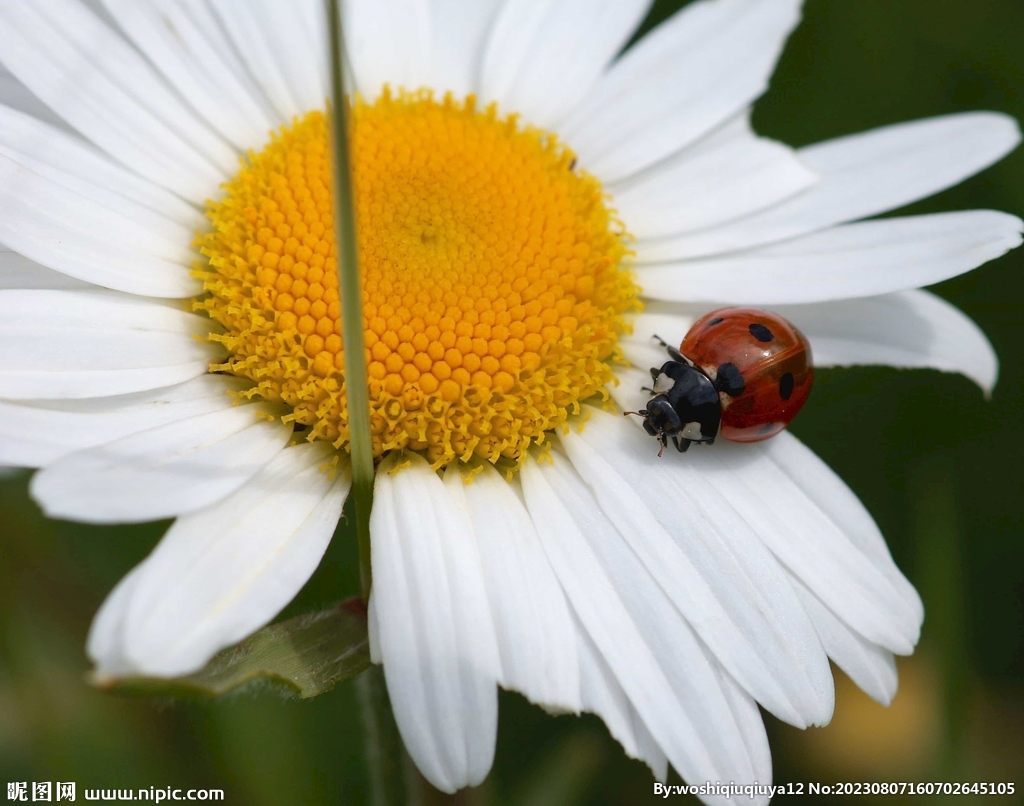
<point x="602" y="695"/>
<point x="536" y="638"/>
<point x="853" y="260"/>
<point x="863" y="175"/>
<point x="68" y="231"/>
<point x="813" y="546"/>
<point x="223" y="572"/>
<point x="17" y="271"/>
<point x="74" y="344"/>
<point x="706" y="186"/>
<point x="104" y="644"/>
<point x="388" y="43"/>
<point x="38" y="433"/>
<point x="163" y="472"/>
<point x="459" y="31"/>
<point x="906" y="329"/>
<point x="685" y="78"/>
<point x="692" y="673"/>
<point x="373" y="630"/>
<point x="198" y="61"/>
<point x="710" y="562"/>
<point x="283" y="46"/>
<point x="607" y="622"/>
<point x="17" y="96"/>
<point x="751" y="726"/>
<point x="297" y="33"/>
<point x="106" y="90"/>
<point x="544" y="55"/>
<point x="829" y="493"/>
<point x="868" y="665"/>
<point x="77" y="165"/>
<point x="669" y="322"/>
<point x="435" y="631"/>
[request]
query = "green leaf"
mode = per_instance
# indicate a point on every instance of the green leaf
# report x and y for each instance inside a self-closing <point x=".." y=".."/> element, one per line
<point x="308" y="654"/>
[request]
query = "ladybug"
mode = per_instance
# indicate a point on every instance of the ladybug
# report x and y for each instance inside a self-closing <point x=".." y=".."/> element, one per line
<point x="741" y="373"/>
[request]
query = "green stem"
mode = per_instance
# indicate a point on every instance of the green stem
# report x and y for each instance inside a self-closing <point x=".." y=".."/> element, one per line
<point x="393" y="779"/>
<point x="387" y="763"/>
<point x="356" y="392"/>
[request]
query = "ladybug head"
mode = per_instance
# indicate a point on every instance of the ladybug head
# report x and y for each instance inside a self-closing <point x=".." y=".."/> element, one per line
<point x="660" y="419"/>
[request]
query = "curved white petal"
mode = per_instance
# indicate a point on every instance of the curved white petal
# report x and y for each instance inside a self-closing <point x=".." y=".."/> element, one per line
<point x="66" y="230"/>
<point x="607" y="622"/>
<point x="668" y="321"/>
<point x="702" y="187"/>
<point x="373" y="630"/>
<point x="602" y="695"/>
<point x="223" y="572"/>
<point x="813" y="546"/>
<point x="197" y="60"/>
<point x="689" y="667"/>
<point x="853" y="260"/>
<point x="544" y="55"/>
<point x="435" y="631"/>
<point x="74" y="344"/>
<point x="93" y="79"/>
<point x="814" y="524"/>
<point x="681" y="81"/>
<point x="863" y="175"/>
<point x="829" y="493"/>
<point x="459" y="32"/>
<point x="79" y="166"/>
<point x="388" y="43"/>
<point x="913" y="329"/>
<point x="710" y="561"/>
<point x="254" y="43"/>
<point x="535" y="634"/>
<point x="889" y="616"/>
<point x="37" y="433"/>
<point x="15" y="95"/>
<point x="163" y="472"/>
<point x="868" y="665"/>
<point x="751" y="725"/>
<point x="104" y="644"/>
<point x="298" y="31"/>
<point x="17" y="271"/>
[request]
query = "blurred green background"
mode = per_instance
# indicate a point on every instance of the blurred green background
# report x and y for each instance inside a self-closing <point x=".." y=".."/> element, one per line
<point x="940" y="471"/>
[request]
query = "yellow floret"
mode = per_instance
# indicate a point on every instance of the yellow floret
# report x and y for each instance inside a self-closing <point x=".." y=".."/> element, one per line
<point x="494" y="278"/>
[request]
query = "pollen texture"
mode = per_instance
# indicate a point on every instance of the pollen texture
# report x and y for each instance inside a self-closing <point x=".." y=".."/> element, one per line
<point x="493" y="272"/>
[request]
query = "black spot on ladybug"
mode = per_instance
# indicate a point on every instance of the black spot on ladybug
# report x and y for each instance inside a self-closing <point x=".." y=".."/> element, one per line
<point x="760" y="332"/>
<point x="716" y="321"/>
<point x="729" y="380"/>
<point x="786" y="385"/>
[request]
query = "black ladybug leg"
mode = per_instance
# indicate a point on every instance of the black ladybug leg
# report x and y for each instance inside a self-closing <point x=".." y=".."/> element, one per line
<point x="681" y="444"/>
<point x="673" y="353"/>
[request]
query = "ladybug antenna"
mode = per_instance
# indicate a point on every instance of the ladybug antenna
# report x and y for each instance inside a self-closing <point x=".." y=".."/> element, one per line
<point x="641" y="413"/>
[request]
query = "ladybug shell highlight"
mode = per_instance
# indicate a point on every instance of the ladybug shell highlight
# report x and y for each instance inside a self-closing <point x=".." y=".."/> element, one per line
<point x="760" y="364"/>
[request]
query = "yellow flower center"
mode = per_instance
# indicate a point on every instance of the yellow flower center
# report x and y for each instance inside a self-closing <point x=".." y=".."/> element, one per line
<point x="494" y="284"/>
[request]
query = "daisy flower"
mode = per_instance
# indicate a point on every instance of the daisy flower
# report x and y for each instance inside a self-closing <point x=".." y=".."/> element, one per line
<point x="534" y="205"/>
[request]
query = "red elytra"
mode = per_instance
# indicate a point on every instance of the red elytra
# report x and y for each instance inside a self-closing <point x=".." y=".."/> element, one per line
<point x="770" y="356"/>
